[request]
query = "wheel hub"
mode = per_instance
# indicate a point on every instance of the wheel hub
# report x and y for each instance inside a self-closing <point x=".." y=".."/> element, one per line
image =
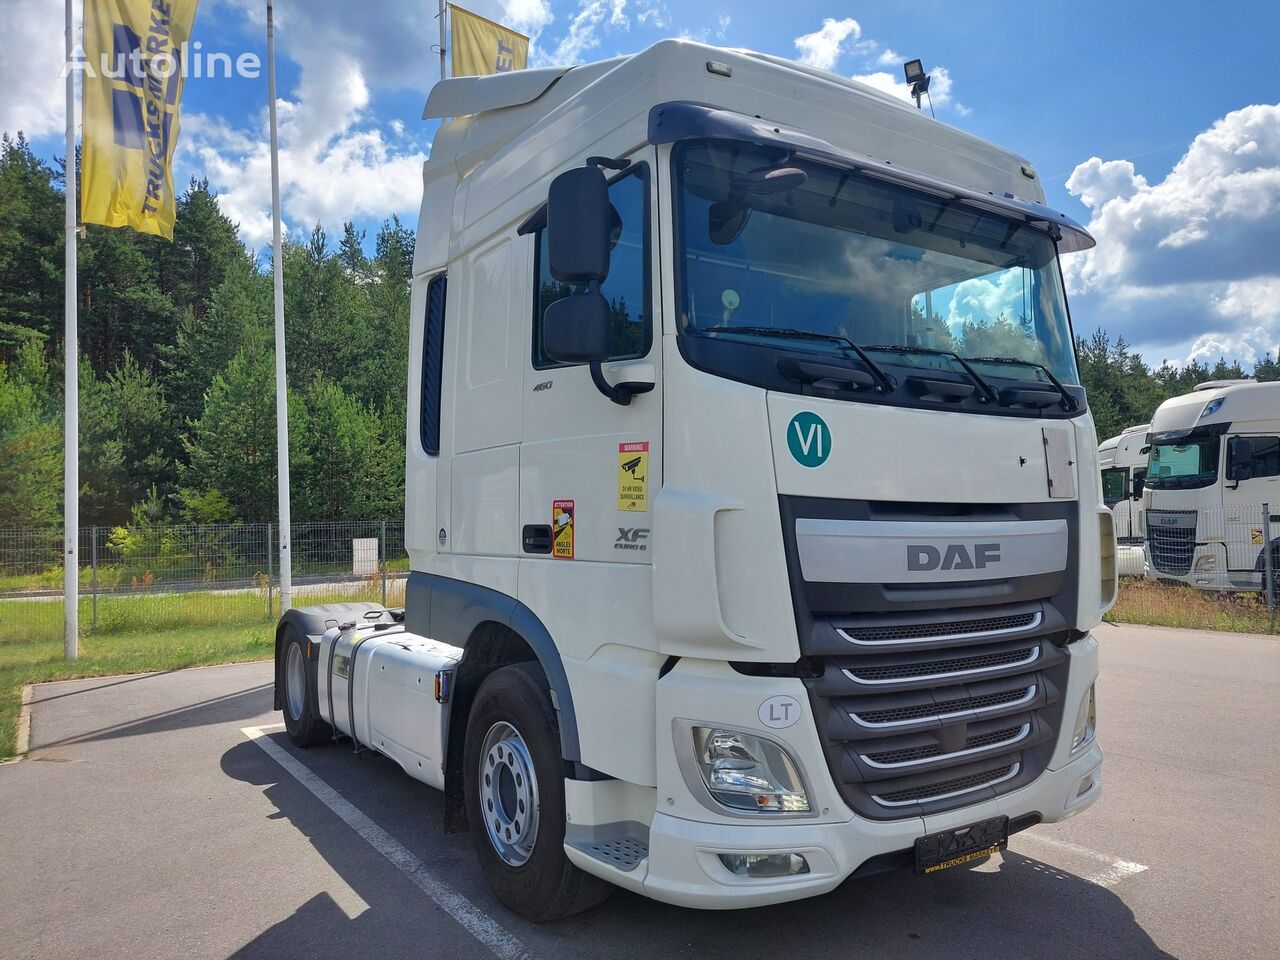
<point x="508" y="794"/>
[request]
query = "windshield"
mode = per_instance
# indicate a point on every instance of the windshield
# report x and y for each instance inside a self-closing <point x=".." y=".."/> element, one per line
<point x="1183" y="465"/>
<point x="774" y="242"/>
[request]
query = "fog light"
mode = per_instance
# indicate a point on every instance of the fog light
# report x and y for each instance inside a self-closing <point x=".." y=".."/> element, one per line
<point x="1086" y="722"/>
<point x="761" y="865"/>
<point x="1207" y="564"/>
<point x="749" y="773"/>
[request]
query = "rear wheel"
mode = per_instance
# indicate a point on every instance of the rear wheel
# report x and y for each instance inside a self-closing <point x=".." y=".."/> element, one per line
<point x="515" y="798"/>
<point x="301" y="706"/>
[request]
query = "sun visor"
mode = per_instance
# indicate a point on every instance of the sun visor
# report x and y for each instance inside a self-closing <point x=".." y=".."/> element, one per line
<point x="679" y="120"/>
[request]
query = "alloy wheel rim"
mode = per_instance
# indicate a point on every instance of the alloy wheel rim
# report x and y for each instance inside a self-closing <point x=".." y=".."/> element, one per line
<point x="295" y="683"/>
<point x="508" y="794"/>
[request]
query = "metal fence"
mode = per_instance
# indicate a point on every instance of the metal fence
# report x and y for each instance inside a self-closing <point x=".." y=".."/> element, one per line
<point x="160" y="576"/>
<point x="1209" y="568"/>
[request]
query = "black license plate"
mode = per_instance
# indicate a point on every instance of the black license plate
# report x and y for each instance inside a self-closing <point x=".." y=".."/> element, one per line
<point x="955" y="848"/>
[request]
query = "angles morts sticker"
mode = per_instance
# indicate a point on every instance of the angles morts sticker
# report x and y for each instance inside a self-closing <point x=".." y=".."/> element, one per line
<point x="633" y="476"/>
<point x="562" y="529"/>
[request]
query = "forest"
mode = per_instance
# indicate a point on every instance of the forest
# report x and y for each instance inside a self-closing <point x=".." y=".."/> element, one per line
<point x="177" y="407"/>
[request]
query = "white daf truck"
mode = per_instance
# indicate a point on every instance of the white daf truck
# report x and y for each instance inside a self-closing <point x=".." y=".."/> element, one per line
<point x="1214" y="463"/>
<point x="1123" y="462"/>
<point x="753" y="508"/>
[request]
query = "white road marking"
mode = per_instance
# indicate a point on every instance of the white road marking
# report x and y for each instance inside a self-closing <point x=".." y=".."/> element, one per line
<point x="476" y="922"/>
<point x="1114" y="869"/>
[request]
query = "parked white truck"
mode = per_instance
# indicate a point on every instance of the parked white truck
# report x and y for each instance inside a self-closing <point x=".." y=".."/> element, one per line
<point x="1214" y="462"/>
<point x="1123" y="462"/>
<point x="753" y="508"/>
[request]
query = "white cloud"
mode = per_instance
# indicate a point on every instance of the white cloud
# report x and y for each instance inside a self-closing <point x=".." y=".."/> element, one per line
<point x="593" y="18"/>
<point x="823" y="47"/>
<point x="32" y="91"/>
<point x="1190" y="262"/>
<point x="889" y="58"/>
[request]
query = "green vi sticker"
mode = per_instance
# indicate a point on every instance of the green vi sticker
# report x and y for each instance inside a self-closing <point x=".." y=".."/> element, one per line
<point x="808" y="439"/>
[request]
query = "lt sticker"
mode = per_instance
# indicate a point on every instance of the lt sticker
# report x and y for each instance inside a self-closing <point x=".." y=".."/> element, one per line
<point x="779" y="712"/>
<point x="562" y="529"/>
<point x="809" y="439"/>
<point x="633" y="476"/>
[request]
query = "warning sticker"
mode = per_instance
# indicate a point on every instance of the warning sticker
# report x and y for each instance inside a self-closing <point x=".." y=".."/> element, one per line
<point x="1255" y="536"/>
<point x="633" y="476"/>
<point x="562" y="529"/>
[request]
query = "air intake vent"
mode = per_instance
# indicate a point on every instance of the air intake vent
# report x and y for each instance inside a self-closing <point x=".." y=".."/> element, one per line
<point x="948" y="788"/>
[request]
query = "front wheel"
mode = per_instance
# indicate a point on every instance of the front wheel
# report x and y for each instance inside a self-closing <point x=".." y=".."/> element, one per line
<point x="301" y="706"/>
<point x="515" y="798"/>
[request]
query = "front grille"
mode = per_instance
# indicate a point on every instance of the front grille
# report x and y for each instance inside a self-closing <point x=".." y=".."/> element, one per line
<point x="914" y="755"/>
<point x="897" y="633"/>
<point x="949" y="788"/>
<point x="943" y="714"/>
<point x="972" y="664"/>
<point x="1171" y="547"/>
<point x="944" y="708"/>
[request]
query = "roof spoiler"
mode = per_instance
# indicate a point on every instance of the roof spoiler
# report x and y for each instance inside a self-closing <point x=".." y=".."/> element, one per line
<point x="463" y="96"/>
<point x="681" y="120"/>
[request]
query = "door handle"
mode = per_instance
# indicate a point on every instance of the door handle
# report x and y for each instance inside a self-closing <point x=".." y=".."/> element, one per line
<point x="536" y="538"/>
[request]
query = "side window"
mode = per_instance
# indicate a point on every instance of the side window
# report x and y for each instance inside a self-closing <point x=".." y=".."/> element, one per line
<point x="432" y="365"/>
<point x="1266" y="456"/>
<point x="1114" y="483"/>
<point x="627" y="286"/>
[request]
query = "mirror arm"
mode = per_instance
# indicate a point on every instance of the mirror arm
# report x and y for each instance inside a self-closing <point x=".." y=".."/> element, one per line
<point x="621" y="393"/>
<point x="608" y="163"/>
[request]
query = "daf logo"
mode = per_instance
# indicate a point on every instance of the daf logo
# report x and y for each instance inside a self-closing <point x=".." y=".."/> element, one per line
<point x="956" y="556"/>
<point x="1168" y="521"/>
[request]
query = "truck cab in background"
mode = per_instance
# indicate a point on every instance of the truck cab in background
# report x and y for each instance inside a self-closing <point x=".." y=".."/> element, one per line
<point x="1213" y="465"/>
<point x="752" y="544"/>
<point x="1123" y="462"/>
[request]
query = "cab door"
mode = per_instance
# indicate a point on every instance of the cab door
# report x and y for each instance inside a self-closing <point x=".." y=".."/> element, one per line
<point x="590" y="467"/>
<point x="1245" y="491"/>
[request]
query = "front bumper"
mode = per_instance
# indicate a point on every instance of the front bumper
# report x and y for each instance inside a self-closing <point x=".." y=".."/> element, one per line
<point x="684" y="868"/>
<point x="687" y="833"/>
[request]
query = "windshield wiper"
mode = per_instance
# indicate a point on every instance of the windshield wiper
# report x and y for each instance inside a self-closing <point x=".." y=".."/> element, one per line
<point x="986" y="388"/>
<point x="795" y="333"/>
<point x="1067" y="399"/>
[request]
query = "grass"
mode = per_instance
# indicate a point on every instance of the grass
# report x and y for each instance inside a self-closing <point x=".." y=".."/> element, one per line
<point x="25" y="661"/>
<point x="1176" y="605"/>
<point x="138" y="634"/>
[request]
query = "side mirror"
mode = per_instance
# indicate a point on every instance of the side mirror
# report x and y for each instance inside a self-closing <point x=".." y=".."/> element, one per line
<point x="1139" y="483"/>
<point x="576" y="329"/>
<point x="579" y="223"/>
<point x="1239" y="459"/>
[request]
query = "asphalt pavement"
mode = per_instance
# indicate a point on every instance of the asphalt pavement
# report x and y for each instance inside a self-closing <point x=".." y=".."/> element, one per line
<point x="167" y="815"/>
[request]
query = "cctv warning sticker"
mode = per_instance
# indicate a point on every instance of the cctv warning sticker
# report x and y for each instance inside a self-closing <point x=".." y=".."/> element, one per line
<point x="562" y="529"/>
<point x="633" y="476"/>
<point x="1255" y="536"/>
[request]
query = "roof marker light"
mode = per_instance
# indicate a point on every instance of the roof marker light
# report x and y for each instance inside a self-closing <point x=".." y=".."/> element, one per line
<point x="719" y="69"/>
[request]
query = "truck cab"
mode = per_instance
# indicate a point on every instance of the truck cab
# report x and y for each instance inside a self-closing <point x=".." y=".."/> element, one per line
<point x="1214" y="465"/>
<point x="754" y="517"/>
<point x="1123" y="462"/>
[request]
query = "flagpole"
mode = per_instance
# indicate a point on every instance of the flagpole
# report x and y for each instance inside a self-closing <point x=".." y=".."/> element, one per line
<point x="443" y="8"/>
<point x="282" y="397"/>
<point x="71" y="381"/>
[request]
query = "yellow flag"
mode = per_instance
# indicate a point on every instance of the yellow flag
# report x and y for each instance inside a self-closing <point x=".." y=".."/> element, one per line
<point x="481" y="47"/>
<point x="134" y="60"/>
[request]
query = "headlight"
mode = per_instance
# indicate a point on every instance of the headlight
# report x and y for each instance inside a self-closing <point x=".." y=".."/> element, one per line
<point x="1107" y="544"/>
<point x="748" y="773"/>
<point x="1086" y="722"/>
<point x="1207" y="564"/>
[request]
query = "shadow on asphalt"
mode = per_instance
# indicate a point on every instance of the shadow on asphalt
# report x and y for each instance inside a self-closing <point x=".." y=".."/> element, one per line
<point x="1023" y="909"/>
<point x="231" y="708"/>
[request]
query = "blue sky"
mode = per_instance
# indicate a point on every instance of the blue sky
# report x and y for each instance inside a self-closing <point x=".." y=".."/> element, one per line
<point x="1156" y="123"/>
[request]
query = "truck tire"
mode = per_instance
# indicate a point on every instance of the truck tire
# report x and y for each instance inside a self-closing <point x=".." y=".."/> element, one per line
<point x="514" y="786"/>
<point x="301" y="707"/>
